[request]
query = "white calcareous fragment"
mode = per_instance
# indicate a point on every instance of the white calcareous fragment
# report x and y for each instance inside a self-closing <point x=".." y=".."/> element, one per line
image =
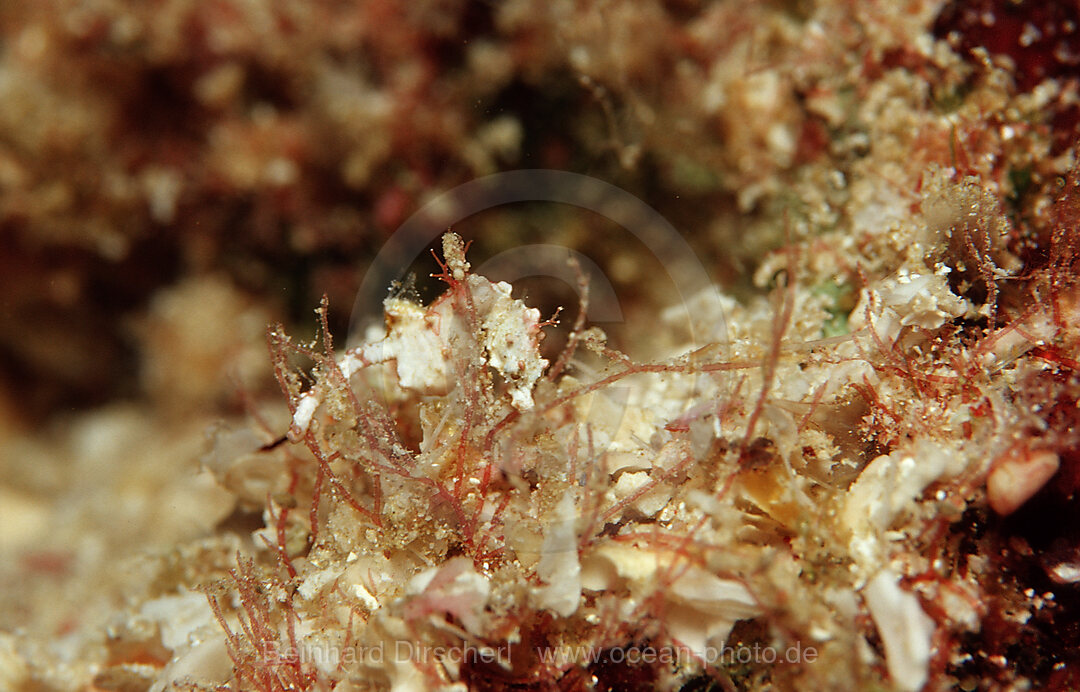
<point x="649" y="502"/>
<point x="906" y="631"/>
<point x="180" y="617"/>
<point x="415" y="343"/>
<point x="891" y="483"/>
<point x="559" y="567"/>
<point x="885" y="491"/>
<point x="921" y="300"/>
<point x="613" y="561"/>
<point x="189" y="629"/>
<point x="511" y="336"/>
<point x="1017" y="477"/>
<point x="704" y="607"/>
<point x="635" y="460"/>
<point x="315" y="582"/>
<point x="305" y="409"/>
<point x="205" y="659"/>
<point x="454" y="588"/>
<point x="365" y="597"/>
<point x="1065" y="572"/>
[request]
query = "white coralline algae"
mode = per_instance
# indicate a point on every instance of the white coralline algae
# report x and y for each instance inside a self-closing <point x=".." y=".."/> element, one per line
<point x="907" y="299"/>
<point x="510" y="336"/>
<point x="419" y="340"/>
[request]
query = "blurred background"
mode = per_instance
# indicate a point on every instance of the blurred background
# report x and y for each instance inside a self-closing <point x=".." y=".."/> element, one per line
<point x="175" y="174"/>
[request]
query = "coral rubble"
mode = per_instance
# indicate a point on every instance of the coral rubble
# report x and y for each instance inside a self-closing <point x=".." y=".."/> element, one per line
<point x="852" y="462"/>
